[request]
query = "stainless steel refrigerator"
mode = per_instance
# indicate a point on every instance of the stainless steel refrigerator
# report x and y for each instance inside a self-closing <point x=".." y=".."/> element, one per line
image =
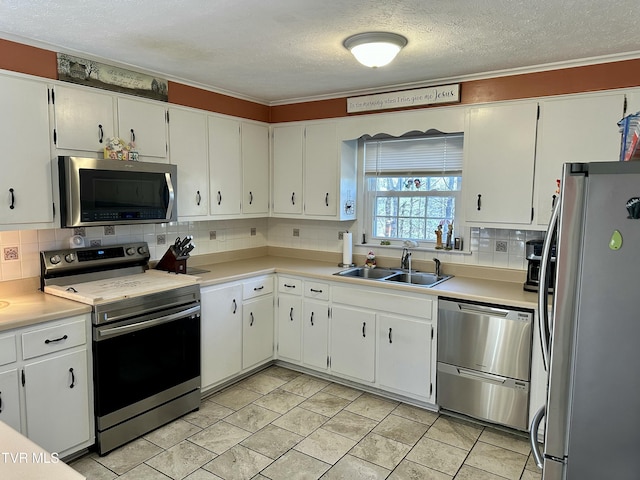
<point x="591" y="340"/>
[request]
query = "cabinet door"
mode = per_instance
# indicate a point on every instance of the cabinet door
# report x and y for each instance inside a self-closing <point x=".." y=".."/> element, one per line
<point x="315" y="334"/>
<point x="188" y="150"/>
<point x="500" y="146"/>
<point x="25" y="183"/>
<point x="57" y="401"/>
<point x="84" y="119"/>
<point x="221" y="333"/>
<point x="289" y="327"/>
<point x="287" y="169"/>
<point x="143" y="123"/>
<point x="257" y="331"/>
<point x="580" y="129"/>
<point x="321" y="170"/>
<point x="404" y="355"/>
<point x="10" y="399"/>
<point x="225" y="167"/>
<point x="255" y="168"/>
<point x="353" y="340"/>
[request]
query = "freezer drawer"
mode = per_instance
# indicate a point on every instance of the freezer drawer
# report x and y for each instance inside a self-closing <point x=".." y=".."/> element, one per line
<point x="489" y="338"/>
<point x="487" y="397"/>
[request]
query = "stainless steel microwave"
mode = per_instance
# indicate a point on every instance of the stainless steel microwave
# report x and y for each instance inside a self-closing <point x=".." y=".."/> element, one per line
<point x="112" y="192"/>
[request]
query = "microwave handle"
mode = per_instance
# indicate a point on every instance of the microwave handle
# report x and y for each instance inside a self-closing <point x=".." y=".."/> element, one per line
<point x="172" y="195"/>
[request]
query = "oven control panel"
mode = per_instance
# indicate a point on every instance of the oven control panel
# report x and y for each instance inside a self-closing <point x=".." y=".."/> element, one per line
<point x="111" y="256"/>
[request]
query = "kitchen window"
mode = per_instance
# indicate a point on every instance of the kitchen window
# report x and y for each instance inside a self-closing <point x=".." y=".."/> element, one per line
<point x="412" y="185"/>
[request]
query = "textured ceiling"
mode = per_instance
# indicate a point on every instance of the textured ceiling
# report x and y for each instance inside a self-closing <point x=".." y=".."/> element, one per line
<point x="278" y="51"/>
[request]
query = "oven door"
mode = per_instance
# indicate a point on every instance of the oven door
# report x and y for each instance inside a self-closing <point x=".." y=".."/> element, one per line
<point x="144" y="361"/>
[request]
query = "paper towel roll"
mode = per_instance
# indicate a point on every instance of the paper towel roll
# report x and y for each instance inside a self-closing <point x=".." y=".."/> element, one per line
<point x="347" y="248"/>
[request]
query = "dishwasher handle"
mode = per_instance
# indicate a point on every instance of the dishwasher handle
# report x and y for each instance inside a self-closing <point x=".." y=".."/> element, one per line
<point x="482" y="310"/>
<point x="463" y="372"/>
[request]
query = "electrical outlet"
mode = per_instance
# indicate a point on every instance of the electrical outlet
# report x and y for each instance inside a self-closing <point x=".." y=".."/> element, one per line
<point x="212" y="235"/>
<point x="161" y="239"/>
<point x="340" y="235"/>
<point x="501" y="246"/>
<point x="296" y="232"/>
<point x="253" y="232"/>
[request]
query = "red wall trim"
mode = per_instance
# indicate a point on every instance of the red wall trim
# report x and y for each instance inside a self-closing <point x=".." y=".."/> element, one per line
<point x="605" y="76"/>
<point x="26" y="59"/>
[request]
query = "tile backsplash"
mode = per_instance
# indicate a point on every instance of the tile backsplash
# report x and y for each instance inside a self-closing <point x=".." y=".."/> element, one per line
<point x="19" y="250"/>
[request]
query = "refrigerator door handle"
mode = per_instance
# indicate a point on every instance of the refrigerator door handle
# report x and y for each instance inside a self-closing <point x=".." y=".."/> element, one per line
<point x="544" y="321"/>
<point x="533" y="435"/>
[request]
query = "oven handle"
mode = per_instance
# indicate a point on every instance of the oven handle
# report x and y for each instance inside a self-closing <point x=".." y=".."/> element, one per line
<point x="109" y="332"/>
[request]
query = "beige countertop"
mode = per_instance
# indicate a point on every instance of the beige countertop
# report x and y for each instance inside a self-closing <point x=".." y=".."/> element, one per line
<point x="21" y="459"/>
<point x="467" y="288"/>
<point x="24" y="304"/>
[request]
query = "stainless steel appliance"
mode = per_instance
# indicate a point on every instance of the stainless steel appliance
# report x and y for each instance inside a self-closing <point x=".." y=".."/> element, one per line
<point x="146" y="336"/>
<point x="111" y="192"/>
<point x="484" y="361"/>
<point x="590" y="342"/>
<point x="533" y="254"/>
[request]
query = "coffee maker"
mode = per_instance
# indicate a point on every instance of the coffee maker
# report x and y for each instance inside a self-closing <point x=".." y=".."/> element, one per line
<point x="533" y="252"/>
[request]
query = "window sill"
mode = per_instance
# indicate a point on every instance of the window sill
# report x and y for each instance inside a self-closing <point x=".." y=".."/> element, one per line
<point x="413" y="249"/>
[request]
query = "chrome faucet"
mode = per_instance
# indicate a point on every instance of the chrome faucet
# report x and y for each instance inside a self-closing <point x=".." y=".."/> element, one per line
<point x="405" y="259"/>
<point x="437" y="262"/>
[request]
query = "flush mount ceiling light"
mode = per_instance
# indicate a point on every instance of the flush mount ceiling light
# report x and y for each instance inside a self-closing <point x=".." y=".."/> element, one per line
<point x="375" y="49"/>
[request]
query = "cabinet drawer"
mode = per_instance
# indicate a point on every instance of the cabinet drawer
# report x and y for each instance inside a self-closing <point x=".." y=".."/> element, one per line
<point x="53" y="339"/>
<point x="317" y="290"/>
<point x="7" y="349"/>
<point x="255" y="288"/>
<point x="292" y="286"/>
<point x="420" y="306"/>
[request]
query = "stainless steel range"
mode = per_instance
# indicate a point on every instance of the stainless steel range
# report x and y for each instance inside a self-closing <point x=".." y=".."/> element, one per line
<point x="146" y="336"/>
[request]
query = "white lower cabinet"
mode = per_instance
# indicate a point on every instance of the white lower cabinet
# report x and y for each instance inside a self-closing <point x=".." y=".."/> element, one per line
<point x="10" y="398"/>
<point x="404" y="355"/>
<point x="221" y="333"/>
<point x="353" y="342"/>
<point x="46" y="384"/>
<point x="290" y="328"/>
<point x="257" y="321"/>
<point x="315" y="334"/>
<point x="57" y="401"/>
<point x="257" y="331"/>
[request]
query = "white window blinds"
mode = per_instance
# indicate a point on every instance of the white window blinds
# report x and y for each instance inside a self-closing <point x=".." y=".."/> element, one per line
<point x="431" y="154"/>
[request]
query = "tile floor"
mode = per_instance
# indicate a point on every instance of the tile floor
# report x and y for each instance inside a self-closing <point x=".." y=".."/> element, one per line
<point x="282" y="425"/>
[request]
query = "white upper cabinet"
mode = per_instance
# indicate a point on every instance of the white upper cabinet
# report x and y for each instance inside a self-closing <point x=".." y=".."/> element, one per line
<point x="500" y="147"/>
<point x="225" y="166"/>
<point x="575" y="129"/>
<point x="287" y="169"/>
<point x="143" y="123"/>
<point x="25" y="182"/>
<point x="85" y="119"/>
<point x="188" y="150"/>
<point x="321" y="170"/>
<point x="255" y="168"/>
<point x="314" y="175"/>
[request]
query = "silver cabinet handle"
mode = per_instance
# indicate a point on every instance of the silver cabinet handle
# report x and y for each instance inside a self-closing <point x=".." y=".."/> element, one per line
<point x="533" y="435"/>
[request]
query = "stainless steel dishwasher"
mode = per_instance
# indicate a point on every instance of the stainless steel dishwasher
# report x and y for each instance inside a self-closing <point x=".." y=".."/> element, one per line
<point x="484" y="361"/>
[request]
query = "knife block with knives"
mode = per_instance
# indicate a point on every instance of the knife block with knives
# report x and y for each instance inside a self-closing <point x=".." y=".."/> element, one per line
<point x="175" y="258"/>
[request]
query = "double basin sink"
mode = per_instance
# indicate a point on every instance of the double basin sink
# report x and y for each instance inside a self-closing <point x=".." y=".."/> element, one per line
<point x="379" y="274"/>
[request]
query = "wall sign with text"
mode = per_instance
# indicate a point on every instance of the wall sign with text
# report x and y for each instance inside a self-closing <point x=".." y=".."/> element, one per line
<point x="407" y="98"/>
